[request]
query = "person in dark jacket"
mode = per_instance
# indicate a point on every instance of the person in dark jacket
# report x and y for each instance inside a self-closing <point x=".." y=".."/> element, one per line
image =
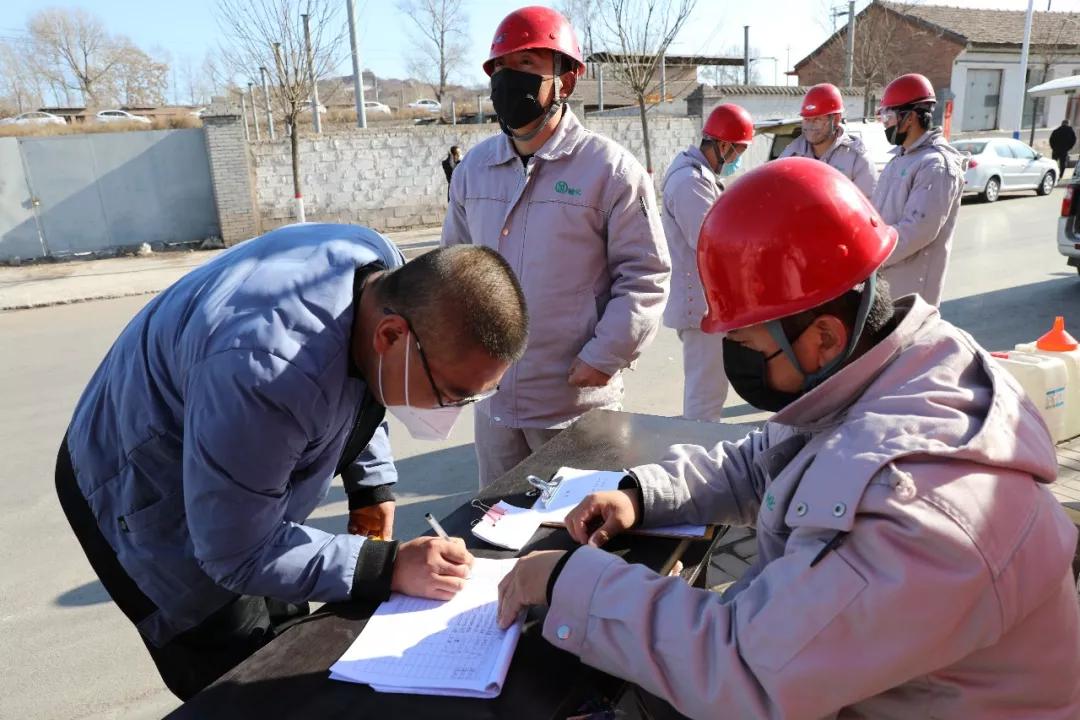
<point x="449" y="163"/>
<point x="1061" y="142"/>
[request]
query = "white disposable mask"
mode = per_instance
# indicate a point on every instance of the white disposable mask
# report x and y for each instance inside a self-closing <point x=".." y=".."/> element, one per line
<point x="422" y="423"/>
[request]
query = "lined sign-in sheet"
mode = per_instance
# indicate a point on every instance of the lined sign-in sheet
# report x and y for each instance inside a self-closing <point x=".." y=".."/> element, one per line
<point x="433" y="647"/>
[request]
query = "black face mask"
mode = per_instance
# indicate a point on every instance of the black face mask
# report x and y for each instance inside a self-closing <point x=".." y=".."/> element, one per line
<point x="745" y="369"/>
<point x="515" y="96"/>
<point x="893" y="135"/>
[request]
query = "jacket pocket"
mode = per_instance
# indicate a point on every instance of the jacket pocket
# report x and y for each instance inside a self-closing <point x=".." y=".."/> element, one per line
<point x="168" y="509"/>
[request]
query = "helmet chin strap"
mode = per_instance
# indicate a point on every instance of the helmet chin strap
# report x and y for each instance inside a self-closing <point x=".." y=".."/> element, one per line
<point x="556" y="106"/>
<point x="812" y="380"/>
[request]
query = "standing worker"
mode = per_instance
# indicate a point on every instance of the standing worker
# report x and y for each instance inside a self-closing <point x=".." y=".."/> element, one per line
<point x="919" y="191"/>
<point x="449" y="163"/>
<point x="690" y="189"/>
<point x="823" y="138"/>
<point x="575" y="216"/>
<point x="911" y="560"/>
<point x="1061" y="142"/>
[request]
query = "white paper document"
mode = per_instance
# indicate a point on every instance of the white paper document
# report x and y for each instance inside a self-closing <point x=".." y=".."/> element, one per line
<point x="511" y="527"/>
<point x="437" y="647"/>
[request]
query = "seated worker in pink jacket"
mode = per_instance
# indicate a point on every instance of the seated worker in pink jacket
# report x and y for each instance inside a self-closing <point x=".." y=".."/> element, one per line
<point x="912" y="562"/>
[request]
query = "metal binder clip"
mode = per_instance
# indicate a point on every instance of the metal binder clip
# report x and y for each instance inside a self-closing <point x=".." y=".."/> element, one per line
<point x="479" y="505"/>
<point x="546" y="489"/>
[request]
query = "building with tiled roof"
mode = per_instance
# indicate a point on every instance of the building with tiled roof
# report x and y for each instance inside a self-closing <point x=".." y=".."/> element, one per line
<point x="971" y="55"/>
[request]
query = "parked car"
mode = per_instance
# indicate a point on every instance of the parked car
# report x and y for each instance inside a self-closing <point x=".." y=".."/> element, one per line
<point x="1000" y="165"/>
<point x="373" y="107"/>
<point x="111" y="116"/>
<point x="36" y="117"/>
<point x="433" y="106"/>
<point x="1068" y="238"/>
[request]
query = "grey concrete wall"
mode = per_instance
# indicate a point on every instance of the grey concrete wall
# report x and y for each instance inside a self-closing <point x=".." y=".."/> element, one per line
<point x="390" y="179"/>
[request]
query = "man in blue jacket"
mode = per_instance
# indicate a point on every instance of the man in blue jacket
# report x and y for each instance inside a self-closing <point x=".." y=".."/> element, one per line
<point x="214" y="425"/>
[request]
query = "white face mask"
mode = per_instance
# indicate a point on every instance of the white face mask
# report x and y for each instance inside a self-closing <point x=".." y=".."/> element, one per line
<point x="422" y="423"/>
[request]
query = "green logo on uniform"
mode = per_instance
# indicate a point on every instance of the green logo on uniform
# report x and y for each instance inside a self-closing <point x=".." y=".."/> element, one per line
<point x="770" y="501"/>
<point x="563" y="188"/>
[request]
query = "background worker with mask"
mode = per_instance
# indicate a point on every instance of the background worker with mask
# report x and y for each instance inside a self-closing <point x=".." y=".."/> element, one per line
<point x="214" y="425"/>
<point x="823" y="138"/>
<point x="574" y="214"/>
<point x="911" y="559"/>
<point x="919" y="191"/>
<point x="690" y="189"/>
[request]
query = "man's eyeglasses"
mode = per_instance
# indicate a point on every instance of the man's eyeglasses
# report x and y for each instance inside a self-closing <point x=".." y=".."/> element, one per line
<point x="443" y="402"/>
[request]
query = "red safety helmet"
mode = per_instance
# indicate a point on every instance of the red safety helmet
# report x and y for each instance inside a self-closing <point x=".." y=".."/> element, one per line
<point x="907" y="90"/>
<point x="787" y="237"/>
<point x="729" y="122"/>
<point x="823" y="99"/>
<point x="532" y="28"/>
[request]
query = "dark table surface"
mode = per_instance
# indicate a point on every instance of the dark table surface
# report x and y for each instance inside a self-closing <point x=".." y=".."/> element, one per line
<point x="289" y="677"/>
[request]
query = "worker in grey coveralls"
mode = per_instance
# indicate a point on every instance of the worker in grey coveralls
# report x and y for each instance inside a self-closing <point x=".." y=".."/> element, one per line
<point x="823" y="138"/>
<point x="691" y="186"/>
<point x="575" y="216"/>
<point x="919" y="191"/>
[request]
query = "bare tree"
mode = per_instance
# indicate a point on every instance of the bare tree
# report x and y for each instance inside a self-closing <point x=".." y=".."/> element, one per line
<point x="582" y="14"/>
<point x="137" y="79"/>
<point x="640" y="31"/>
<point x="1051" y="40"/>
<point x="21" y="88"/>
<point x="441" y="27"/>
<point x="270" y="34"/>
<point x="73" y="49"/>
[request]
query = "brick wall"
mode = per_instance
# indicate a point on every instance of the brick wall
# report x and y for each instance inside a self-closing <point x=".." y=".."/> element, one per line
<point x="391" y="179"/>
<point x="230" y="171"/>
<point x="886" y="45"/>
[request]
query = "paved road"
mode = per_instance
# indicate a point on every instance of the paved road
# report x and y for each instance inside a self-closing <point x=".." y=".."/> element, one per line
<point x="67" y="653"/>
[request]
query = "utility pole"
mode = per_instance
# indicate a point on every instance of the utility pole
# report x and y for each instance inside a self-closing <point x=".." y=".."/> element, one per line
<point x="600" y="85"/>
<point x="663" y="79"/>
<point x="243" y="113"/>
<point x="254" y="111"/>
<point x="479" y="109"/>
<point x="1023" y="71"/>
<point x="266" y="99"/>
<point x="849" y="68"/>
<point x="358" y="77"/>
<point x="311" y="76"/>
<point x="746" y="54"/>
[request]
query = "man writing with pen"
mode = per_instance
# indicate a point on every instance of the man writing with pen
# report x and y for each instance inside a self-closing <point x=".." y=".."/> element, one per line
<point x="911" y="560"/>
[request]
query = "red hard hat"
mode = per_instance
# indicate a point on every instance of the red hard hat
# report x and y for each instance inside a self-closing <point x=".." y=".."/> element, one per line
<point x="908" y="89"/>
<point x="789" y="236"/>
<point x="729" y="122"/>
<point x="532" y="28"/>
<point x="823" y="99"/>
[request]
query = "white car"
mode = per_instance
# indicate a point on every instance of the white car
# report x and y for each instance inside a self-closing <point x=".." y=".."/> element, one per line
<point x="998" y="165"/>
<point x="371" y="106"/>
<point x="871" y="132"/>
<point x="432" y="106"/>
<point x="34" y="118"/>
<point x="112" y="116"/>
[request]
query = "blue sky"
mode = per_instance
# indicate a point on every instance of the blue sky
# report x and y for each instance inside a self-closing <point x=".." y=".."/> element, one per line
<point x="187" y="28"/>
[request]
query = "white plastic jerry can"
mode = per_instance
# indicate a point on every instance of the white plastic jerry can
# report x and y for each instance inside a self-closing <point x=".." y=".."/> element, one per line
<point x="1060" y="344"/>
<point x="1044" y="379"/>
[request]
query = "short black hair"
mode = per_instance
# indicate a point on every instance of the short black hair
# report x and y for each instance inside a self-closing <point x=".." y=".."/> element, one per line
<point x="458" y="298"/>
<point x="879" y="320"/>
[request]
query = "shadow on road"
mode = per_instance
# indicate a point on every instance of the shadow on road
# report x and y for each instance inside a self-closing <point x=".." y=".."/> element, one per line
<point x="1002" y="318"/>
<point x="92" y="593"/>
